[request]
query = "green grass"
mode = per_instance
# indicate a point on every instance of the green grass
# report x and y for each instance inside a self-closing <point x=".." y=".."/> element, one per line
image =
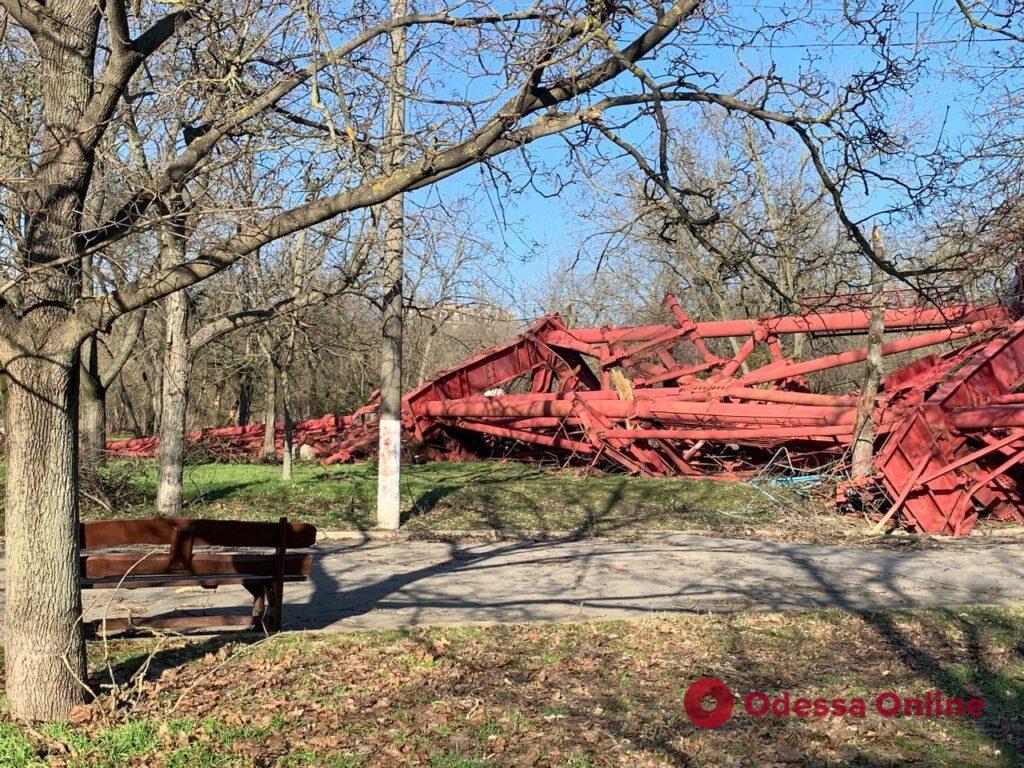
<point x="612" y="695"/>
<point x="442" y="497"/>
<point x="15" y="749"/>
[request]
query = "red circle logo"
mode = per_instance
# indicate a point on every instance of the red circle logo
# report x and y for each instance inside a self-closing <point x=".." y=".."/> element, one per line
<point x="693" y="702"/>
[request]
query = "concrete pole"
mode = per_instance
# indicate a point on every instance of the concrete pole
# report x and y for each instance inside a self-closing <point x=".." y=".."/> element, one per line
<point x="390" y="448"/>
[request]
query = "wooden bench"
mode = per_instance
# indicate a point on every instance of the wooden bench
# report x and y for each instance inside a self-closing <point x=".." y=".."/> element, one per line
<point x="263" y="574"/>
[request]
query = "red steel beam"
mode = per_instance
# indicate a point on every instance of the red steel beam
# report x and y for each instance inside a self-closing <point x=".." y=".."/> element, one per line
<point x="526" y="437"/>
<point x="783" y="396"/>
<point x="825" y="322"/>
<point x="777" y="371"/>
<point x="740" y="357"/>
<point x="753" y="433"/>
<point x="660" y="409"/>
<point x="972" y="457"/>
<point x="987" y="417"/>
<point x="709" y="391"/>
<point x="706" y="412"/>
<point x="672" y="303"/>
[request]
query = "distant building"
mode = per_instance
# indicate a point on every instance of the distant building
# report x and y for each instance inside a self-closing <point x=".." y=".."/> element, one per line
<point x="471" y="314"/>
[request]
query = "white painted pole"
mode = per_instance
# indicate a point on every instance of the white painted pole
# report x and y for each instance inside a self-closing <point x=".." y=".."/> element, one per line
<point x="390" y="446"/>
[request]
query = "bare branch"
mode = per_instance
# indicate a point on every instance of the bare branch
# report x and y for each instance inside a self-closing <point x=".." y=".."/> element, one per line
<point x="484" y="143"/>
<point x="124" y="352"/>
<point x="28" y="13"/>
<point x="179" y="168"/>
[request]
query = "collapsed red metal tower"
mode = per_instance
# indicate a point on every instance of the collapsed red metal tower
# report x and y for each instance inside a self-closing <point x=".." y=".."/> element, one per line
<point x="656" y="400"/>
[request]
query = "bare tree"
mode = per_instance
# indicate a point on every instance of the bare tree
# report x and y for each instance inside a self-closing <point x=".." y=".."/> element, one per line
<point x="735" y="222"/>
<point x="89" y="58"/>
<point x="389" y="453"/>
<point x="280" y="293"/>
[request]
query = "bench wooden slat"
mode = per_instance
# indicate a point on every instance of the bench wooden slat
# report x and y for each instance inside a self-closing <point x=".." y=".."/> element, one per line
<point x="263" y="574"/>
<point x="160" y="580"/>
<point x="106" y="564"/>
<point x="171" y="622"/>
<point x="100" y="534"/>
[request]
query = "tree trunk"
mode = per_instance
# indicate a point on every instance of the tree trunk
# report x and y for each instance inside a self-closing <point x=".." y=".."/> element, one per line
<point x="177" y="367"/>
<point x="44" y="647"/>
<point x="270" y="412"/>
<point x="390" y="425"/>
<point x="421" y="374"/>
<point x="92" y="407"/>
<point x="286" y="452"/>
<point x="864" y="433"/>
<point x="244" y="398"/>
<point x="154" y="385"/>
<point x="129" y="410"/>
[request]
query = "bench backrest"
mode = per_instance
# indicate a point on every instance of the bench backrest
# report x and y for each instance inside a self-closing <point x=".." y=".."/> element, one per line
<point x="158" y="531"/>
<point x="179" y="535"/>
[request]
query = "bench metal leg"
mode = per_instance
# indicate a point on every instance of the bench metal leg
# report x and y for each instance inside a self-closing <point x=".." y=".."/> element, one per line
<point x="267" y="609"/>
<point x="275" y="594"/>
<point x="276" y="588"/>
<point x="259" y="605"/>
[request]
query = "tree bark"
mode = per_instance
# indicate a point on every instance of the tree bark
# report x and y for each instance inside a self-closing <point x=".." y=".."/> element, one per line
<point x="171" y="453"/>
<point x="177" y="367"/>
<point x="44" y="647"/>
<point x="421" y="374"/>
<point x="286" y="452"/>
<point x="270" y="412"/>
<point x="154" y="381"/>
<point x="390" y="425"/>
<point x="864" y="434"/>
<point x="92" y="407"/>
<point x="244" y="398"/>
<point x="95" y="384"/>
<point x="43" y="640"/>
<point x="129" y="410"/>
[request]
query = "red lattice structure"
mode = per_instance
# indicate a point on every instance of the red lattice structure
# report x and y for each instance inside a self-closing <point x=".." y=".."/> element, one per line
<point x="656" y="400"/>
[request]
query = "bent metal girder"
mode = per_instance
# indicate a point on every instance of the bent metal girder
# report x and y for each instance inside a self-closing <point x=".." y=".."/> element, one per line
<point x="663" y="400"/>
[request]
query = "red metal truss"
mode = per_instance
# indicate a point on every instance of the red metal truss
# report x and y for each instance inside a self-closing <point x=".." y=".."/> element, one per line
<point x="956" y="440"/>
<point x="667" y="399"/>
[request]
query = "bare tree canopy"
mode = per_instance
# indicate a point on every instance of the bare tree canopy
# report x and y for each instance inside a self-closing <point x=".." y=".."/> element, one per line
<point x="229" y="161"/>
<point x="127" y="129"/>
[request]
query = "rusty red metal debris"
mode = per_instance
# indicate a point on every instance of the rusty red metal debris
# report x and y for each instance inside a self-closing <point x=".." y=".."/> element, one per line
<point x="657" y="400"/>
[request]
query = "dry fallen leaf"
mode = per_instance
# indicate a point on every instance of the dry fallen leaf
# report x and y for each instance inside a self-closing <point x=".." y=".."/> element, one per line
<point x="81" y="714"/>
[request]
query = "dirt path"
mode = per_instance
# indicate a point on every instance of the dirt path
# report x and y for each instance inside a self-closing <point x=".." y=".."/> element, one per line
<point x="374" y="584"/>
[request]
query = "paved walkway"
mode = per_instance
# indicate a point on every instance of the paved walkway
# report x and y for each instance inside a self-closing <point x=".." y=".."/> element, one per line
<point x="376" y="584"/>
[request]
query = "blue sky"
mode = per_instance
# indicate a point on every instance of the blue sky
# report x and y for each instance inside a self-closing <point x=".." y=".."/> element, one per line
<point x="544" y="228"/>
